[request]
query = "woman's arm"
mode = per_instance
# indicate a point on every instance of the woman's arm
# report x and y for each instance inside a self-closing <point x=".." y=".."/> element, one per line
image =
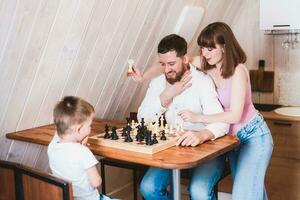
<point x="155" y="70"/>
<point x="237" y="101"/>
<point x="150" y="73"/>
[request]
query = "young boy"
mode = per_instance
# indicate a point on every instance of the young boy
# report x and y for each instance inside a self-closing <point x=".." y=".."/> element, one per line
<point x="68" y="158"/>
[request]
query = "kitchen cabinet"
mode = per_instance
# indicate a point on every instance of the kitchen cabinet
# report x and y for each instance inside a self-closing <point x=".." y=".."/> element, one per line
<point x="283" y="175"/>
<point x="282" y="179"/>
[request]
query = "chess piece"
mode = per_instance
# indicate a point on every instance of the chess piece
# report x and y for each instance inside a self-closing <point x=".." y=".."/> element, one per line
<point x="154" y="141"/>
<point x="163" y="136"/>
<point x="106" y="135"/>
<point x="127" y="120"/>
<point x="143" y="122"/>
<point x="124" y="131"/>
<point x="138" y="135"/>
<point x="114" y="135"/>
<point x="155" y="128"/>
<point x="130" y="65"/>
<point x="132" y="125"/>
<point x="148" y="138"/>
<point x="166" y="129"/>
<point x="128" y="137"/>
<point x="161" y="123"/>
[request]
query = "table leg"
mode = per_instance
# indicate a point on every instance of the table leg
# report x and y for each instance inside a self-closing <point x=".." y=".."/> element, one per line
<point x="176" y="184"/>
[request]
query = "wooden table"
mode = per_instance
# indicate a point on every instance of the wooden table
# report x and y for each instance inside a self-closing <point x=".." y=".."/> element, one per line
<point x="174" y="158"/>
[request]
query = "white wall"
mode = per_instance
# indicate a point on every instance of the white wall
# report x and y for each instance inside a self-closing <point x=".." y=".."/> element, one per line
<point x="243" y="18"/>
<point x="53" y="48"/>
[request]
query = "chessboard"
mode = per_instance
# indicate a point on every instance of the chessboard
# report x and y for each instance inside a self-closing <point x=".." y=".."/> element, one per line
<point x="138" y="137"/>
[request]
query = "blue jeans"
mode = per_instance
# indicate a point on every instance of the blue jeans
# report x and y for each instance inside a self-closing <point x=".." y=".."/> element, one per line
<point x="156" y="181"/>
<point x="104" y="197"/>
<point x="249" y="161"/>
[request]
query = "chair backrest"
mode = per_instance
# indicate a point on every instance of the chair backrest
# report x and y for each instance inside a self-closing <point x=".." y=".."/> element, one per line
<point x="25" y="183"/>
<point x="7" y="180"/>
<point x="39" y="185"/>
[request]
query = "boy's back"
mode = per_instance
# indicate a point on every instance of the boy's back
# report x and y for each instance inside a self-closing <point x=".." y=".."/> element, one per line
<point x="68" y="158"/>
<point x="71" y="161"/>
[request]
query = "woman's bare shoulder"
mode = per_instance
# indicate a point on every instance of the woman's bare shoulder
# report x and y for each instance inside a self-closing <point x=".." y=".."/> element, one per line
<point x="241" y="71"/>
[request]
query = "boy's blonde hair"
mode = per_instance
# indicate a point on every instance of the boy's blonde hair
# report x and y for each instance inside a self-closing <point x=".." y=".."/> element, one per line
<point x="71" y="111"/>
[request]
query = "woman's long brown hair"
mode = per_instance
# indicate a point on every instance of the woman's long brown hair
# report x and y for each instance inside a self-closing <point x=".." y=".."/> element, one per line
<point x="221" y="34"/>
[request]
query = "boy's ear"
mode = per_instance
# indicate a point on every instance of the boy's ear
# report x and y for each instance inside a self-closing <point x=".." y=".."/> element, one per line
<point x="76" y="128"/>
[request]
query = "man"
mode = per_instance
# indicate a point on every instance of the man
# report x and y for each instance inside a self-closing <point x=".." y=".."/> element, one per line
<point x="182" y="87"/>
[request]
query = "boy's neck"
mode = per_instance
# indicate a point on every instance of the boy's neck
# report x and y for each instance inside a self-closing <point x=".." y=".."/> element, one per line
<point x="68" y="138"/>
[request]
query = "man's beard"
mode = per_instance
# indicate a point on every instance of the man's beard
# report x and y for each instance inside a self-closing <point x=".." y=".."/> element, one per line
<point x="177" y="77"/>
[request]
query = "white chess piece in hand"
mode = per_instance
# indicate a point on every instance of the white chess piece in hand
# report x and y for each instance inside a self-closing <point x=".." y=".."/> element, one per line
<point x="134" y="72"/>
<point x="130" y="66"/>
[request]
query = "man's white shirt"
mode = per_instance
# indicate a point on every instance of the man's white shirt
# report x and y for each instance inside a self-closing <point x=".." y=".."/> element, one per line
<point x="200" y="98"/>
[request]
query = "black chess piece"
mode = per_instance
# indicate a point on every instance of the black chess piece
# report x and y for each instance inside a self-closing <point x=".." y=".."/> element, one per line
<point x="128" y="120"/>
<point x="106" y="135"/>
<point x="143" y="122"/>
<point x="128" y="137"/>
<point x="128" y="124"/>
<point x="154" y="141"/>
<point x="148" y="138"/>
<point x="106" y="128"/>
<point x="163" y="136"/>
<point x="124" y="132"/>
<point x="114" y="135"/>
<point x="138" y="135"/>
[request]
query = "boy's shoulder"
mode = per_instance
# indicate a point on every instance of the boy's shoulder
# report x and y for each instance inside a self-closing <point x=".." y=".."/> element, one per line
<point x="75" y="148"/>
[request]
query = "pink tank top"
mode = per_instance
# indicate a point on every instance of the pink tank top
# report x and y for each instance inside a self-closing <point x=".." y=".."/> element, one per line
<point x="224" y="93"/>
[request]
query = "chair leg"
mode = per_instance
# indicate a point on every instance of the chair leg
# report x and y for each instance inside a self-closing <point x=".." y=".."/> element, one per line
<point x="135" y="185"/>
<point x="103" y="177"/>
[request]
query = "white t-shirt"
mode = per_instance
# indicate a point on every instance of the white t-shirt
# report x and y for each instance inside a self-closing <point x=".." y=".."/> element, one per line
<point x="70" y="161"/>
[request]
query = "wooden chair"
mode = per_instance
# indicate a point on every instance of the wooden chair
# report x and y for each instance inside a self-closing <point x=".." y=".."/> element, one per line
<point x="25" y="183"/>
<point x="7" y="180"/>
<point x="39" y="185"/>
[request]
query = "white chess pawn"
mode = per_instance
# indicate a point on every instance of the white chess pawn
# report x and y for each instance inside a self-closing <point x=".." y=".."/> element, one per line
<point x="134" y="132"/>
<point x="130" y="65"/>
<point x="155" y="129"/>
<point x="161" y="121"/>
<point x="150" y="126"/>
<point x="133" y="125"/>
<point x="167" y="131"/>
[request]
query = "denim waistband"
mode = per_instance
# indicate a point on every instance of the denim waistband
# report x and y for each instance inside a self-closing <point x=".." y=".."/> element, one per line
<point x="255" y="127"/>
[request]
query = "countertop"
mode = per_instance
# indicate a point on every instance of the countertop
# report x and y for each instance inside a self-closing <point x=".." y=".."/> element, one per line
<point x="271" y="115"/>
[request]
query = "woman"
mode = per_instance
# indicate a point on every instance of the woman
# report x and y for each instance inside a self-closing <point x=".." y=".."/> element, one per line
<point x="223" y="59"/>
